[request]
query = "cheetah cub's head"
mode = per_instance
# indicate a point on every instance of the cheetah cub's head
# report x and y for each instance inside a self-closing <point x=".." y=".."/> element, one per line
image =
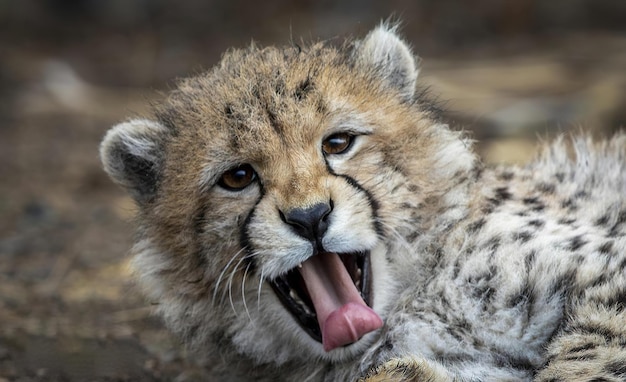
<point x="280" y="191"/>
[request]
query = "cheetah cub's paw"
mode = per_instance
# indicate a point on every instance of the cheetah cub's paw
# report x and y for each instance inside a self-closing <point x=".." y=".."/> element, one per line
<point x="407" y="369"/>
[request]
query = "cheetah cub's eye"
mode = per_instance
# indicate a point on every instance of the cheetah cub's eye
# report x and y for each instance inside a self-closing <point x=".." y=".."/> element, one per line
<point x="238" y="178"/>
<point x="337" y="143"/>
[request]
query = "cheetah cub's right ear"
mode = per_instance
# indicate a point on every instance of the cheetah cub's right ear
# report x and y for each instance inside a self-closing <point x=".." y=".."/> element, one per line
<point x="132" y="155"/>
<point x="390" y="58"/>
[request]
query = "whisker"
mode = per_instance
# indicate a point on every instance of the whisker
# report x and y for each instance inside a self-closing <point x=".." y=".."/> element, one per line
<point x="219" y="279"/>
<point x="230" y="284"/>
<point x="258" y="298"/>
<point x="243" y="291"/>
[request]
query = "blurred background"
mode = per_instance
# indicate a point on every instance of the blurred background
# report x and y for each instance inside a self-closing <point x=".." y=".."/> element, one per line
<point x="511" y="72"/>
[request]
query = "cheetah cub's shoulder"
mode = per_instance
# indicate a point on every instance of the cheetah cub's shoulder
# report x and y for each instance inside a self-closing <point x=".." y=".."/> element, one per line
<point x="305" y="215"/>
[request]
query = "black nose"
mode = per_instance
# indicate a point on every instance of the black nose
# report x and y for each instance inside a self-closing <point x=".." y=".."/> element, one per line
<point x="310" y="223"/>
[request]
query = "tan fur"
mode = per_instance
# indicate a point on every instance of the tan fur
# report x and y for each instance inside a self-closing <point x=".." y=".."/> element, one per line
<point x="479" y="273"/>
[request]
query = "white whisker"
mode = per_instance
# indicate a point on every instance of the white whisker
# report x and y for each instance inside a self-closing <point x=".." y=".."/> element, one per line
<point x="258" y="298"/>
<point x="224" y="270"/>
<point x="243" y="291"/>
<point x="230" y="284"/>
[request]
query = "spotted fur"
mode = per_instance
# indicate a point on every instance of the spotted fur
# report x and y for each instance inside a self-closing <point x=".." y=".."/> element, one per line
<point x="479" y="273"/>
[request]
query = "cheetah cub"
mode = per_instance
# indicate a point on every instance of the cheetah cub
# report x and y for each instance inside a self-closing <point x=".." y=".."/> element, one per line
<point x="305" y="215"/>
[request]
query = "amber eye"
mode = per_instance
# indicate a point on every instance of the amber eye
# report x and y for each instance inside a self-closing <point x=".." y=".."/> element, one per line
<point x="238" y="178"/>
<point x="337" y="143"/>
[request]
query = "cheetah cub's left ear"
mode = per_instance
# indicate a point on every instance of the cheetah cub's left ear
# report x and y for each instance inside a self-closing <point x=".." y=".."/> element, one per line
<point x="132" y="155"/>
<point x="390" y="58"/>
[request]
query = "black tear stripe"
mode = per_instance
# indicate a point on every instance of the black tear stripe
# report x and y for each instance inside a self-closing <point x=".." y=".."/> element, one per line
<point x="244" y="238"/>
<point x="378" y="227"/>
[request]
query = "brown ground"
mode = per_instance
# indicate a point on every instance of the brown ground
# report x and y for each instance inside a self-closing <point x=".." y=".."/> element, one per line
<point x="68" y="311"/>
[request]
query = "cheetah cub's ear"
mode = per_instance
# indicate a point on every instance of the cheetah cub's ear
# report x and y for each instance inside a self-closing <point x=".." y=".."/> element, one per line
<point x="132" y="155"/>
<point x="385" y="53"/>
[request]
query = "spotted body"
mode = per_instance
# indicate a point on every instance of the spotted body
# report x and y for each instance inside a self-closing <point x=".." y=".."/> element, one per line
<point x="304" y="214"/>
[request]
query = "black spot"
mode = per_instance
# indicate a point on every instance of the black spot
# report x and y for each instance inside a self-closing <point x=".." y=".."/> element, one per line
<point x="606" y="247"/>
<point x="601" y="279"/>
<point x="413" y="236"/>
<point x="568" y="204"/>
<point x="476" y="225"/>
<point x="576" y="243"/>
<point x="531" y="200"/>
<point x="617" y="227"/>
<point x="534" y="203"/>
<point x="516" y="362"/>
<point x="477" y="172"/>
<point x="481" y="285"/>
<point x="581" y="357"/>
<point x="487" y="209"/>
<point x="616" y="301"/>
<point x="538" y="207"/>
<point x="578" y="259"/>
<point x="566" y="221"/>
<point x="493" y="244"/>
<point x="524" y="297"/>
<point x="454" y="334"/>
<point x="228" y="110"/>
<point x="603" y="220"/>
<point x="438" y="253"/>
<point x="584" y="347"/>
<point x="320" y="106"/>
<point x="529" y="260"/>
<point x="563" y="283"/>
<point x="388" y="345"/>
<point x="536" y="223"/>
<point x="506" y="175"/>
<point x="303" y="89"/>
<point x="546" y="188"/>
<point x="456" y="269"/>
<point x="617" y="368"/>
<point x="412" y="188"/>
<point x="502" y="193"/>
<point x="593" y="328"/>
<point x="523" y="236"/>
<point x="581" y="195"/>
<point x="279" y="88"/>
<point x="560" y="177"/>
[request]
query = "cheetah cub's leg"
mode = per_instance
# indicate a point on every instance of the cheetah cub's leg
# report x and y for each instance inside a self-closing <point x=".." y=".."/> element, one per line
<point x="591" y="346"/>
<point x="406" y="369"/>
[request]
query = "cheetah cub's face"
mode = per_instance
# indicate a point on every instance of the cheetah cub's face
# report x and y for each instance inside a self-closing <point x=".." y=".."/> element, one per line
<point x="278" y="190"/>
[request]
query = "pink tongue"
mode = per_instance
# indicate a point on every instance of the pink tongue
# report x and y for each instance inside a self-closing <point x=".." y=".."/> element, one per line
<point x="342" y="314"/>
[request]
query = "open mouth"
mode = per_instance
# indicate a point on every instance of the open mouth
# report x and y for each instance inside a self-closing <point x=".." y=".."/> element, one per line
<point x="330" y="297"/>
